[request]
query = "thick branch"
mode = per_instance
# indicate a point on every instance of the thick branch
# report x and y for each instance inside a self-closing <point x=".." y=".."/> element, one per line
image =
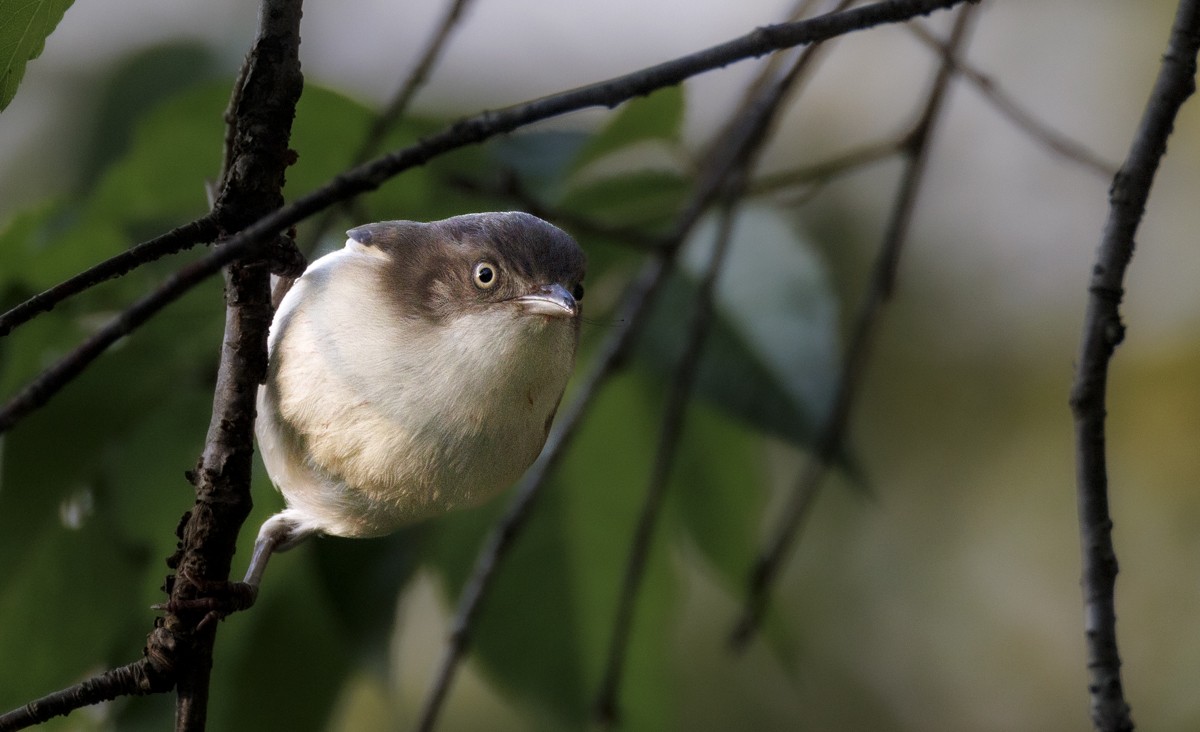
<point x="1102" y="331"/>
<point x="879" y="291"/>
<point x="260" y="119"/>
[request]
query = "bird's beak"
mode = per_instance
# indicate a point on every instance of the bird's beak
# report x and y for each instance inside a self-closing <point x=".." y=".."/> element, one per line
<point x="552" y="300"/>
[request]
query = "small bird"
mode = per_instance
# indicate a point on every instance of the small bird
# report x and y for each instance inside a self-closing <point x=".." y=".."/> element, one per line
<point x="415" y="370"/>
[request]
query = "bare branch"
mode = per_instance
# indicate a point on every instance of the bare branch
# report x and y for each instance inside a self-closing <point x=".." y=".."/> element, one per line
<point x="138" y="678"/>
<point x="156" y="672"/>
<point x="510" y="187"/>
<point x="819" y="174"/>
<point x="880" y="289"/>
<point x="757" y="114"/>
<point x="722" y="163"/>
<point x="203" y="229"/>
<point x="396" y="108"/>
<point x="1102" y="332"/>
<point x="473" y="130"/>
<point x="639" y="295"/>
<point x="606" y="707"/>
<point x="50" y="381"/>
<point x="1008" y="106"/>
<point x="608" y="93"/>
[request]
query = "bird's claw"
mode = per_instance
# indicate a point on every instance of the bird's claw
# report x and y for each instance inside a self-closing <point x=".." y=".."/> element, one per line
<point x="216" y="599"/>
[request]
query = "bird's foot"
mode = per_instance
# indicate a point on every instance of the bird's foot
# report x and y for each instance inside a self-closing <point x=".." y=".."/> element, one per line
<point x="217" y="599"/>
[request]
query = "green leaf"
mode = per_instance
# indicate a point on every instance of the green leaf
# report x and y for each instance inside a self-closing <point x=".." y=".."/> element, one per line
<point x="771" y="357"/>
<point x="658" y="116"/>
<point x="717" y="491"/>
<point x="24" y="27"/>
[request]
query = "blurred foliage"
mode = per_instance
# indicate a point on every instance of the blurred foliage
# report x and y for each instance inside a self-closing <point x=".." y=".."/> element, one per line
<point x="91" y="486"/>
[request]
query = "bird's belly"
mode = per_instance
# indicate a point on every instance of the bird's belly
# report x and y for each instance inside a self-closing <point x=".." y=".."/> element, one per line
<point x="418" y="444"/>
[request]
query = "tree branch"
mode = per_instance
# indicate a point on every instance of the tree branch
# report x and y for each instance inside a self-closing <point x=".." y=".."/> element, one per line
<point x="606" y="708"/>
<point x="817" y="174"/>
<point x="638" y="298"/>
<point x="38" y="391"/>
<point x="509" y="186"/>
<point x="473" y="130"/>
<point x="396" y="108"/>
<point x="1004" y="103"/>
<point x="455" y="11"/>
<point x="726" y="157"/>
<point x="135" y="679"/>
<point x="751" y="124"/>
<point x="1102" y="332"/>
<point x="203" y="229"/>
<point x="261" y="119"/>
<point x="829" y="441"/>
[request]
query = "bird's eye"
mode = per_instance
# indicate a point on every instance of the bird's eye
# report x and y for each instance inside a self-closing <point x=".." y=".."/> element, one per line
<point x="577" y="293"/>
<point x="486" y="275"/>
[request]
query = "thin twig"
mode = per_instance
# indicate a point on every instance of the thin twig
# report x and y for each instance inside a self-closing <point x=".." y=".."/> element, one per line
<point x="1102" y="332"/>
<point x="203" y="229"/>
<point x="721" y="163"/>
<point x="138" y="678"/>
<point x="399" y="103"/>
<point x="473" y="130"/>
<point x="510" y="187"/>
<point x="752" y="122"/>
<point x="639" y="296"/>
<point x="37" y="392"/>
<point x="604" y="94"/>
<point x="880" y="289"/>
<point x="606" y="708"/>
<point x="1008" y="106"/>
<point x="396" y="108"/>
<point x="819" y="173"/>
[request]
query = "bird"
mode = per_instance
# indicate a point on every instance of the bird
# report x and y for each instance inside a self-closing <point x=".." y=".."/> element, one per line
<point x="415" y="370"/>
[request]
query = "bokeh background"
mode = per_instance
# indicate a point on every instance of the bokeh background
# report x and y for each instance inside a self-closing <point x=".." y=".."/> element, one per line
<point x="939" y="591"/>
